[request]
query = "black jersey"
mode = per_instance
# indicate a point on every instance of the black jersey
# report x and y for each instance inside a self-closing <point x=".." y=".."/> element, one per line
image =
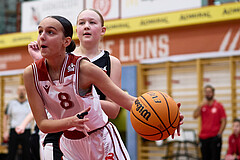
<point x="105" y="64"/>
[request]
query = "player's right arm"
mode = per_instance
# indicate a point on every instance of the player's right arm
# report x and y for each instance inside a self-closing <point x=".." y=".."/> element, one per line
<point x="39" y="113"/>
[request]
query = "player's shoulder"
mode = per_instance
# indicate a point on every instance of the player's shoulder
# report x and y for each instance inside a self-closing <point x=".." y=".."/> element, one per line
<point x="115" y="63"/>
<point x="85" y="63"/>
<point x="28" y="75"/>
<point x="114" y="60"/>
<point x="28" y="70"/>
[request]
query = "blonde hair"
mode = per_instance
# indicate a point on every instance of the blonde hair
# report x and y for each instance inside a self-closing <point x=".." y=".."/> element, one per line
<point x="96" y="11"/>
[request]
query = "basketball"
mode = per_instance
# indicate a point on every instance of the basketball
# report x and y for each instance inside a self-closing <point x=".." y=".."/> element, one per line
<point x="155" y="115"/>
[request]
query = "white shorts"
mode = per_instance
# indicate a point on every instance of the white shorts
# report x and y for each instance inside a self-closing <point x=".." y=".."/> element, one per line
<point x="41" y="139"/>
<point x="104" y="144"/>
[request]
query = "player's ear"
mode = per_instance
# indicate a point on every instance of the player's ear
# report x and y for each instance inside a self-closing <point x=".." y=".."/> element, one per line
<point x="103" y="31"/>
<point x="67" y="41"/>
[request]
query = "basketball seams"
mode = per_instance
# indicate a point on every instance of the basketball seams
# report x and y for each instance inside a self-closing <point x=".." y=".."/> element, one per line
<point x="169" y="117"/>
<point x="151" y="119"/>
<point x="171" y="124"/>
<point x="155" y="113"/>
<point x="175" y="120"/>
<point x="145" y="122"/>
<point x="160" y="132"/>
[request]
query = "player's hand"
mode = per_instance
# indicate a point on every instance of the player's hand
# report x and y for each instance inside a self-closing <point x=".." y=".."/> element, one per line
<point x="6" y="136"/>
<point x="20" y="129"/>
<point x="180" y="121"/>
<point x="34" y="51"/>
<point x="79" y="123"/>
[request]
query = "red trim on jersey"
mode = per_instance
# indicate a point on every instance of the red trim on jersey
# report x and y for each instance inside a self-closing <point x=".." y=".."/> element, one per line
<point x="110" y="133"/>
<point x="115" y="132"/>
<point x="35" y="77"/>
<point x="63" y="68"/>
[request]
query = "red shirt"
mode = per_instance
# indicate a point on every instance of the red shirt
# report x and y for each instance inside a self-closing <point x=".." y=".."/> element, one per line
<point x="211" y="119"/>
<point x="234" y="145"/>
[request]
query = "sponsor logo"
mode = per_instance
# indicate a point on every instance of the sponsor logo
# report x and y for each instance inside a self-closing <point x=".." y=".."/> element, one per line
<point x="71" y="67"/>
<point x="104" y="69"/>
<point x="155" y="98"/>
<point x="104" y="6"/>
<point x="142" y="110"/>
<point x="46" y="87"/>
<point x="214" y="110"/>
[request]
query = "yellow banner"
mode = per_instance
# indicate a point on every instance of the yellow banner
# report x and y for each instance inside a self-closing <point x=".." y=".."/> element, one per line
<point x="17" y="39"/>
<point x="210" y="14"/>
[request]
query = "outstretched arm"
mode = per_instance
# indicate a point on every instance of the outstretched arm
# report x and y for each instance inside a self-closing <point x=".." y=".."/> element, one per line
<point x="91" y="74"/>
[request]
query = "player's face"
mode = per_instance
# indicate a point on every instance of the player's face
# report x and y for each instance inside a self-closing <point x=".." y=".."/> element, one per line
<point x="89" y="27"/>
<point x="236" y="128"/>
<point x="50" y="37"/>
<point x="209" y="94"/>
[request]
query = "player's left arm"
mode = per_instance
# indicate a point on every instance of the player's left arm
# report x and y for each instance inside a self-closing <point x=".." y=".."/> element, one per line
<point x="90" y="74"/>
<point x="109" y="107"/>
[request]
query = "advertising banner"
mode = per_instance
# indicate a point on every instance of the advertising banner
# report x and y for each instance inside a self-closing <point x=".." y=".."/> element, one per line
<point x="197" y="16"/>
<point x="221" y="39"/>
<point x="183" y="34"/>
<point x="136" y="8"/>
<point x="34" y="11"/>
<point x="110" y="9"/>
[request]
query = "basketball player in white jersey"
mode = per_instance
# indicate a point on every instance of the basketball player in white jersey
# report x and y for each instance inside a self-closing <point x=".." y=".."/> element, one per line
<point x="62" y="83"/>
<point x="109" y="64"/>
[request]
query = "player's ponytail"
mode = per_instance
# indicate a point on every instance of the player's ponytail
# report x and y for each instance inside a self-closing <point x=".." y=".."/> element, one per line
<point x="71" y="47"/>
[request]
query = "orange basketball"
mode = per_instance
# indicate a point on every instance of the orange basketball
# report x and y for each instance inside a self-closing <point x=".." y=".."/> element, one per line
<point x="155" y="115"/>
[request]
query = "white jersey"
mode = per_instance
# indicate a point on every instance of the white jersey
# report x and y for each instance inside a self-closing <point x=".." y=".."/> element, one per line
<point x="61" y="97"/>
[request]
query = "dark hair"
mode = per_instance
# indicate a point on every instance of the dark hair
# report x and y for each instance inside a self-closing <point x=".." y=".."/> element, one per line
<point x="211" y="87"/>
<point x="99" y="14"/>
<point x="236" y="120"/>
<point x="67" y="30"/>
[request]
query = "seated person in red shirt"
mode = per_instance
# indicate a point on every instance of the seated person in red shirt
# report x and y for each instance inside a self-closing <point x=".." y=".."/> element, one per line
<point x="233" y="152"/>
